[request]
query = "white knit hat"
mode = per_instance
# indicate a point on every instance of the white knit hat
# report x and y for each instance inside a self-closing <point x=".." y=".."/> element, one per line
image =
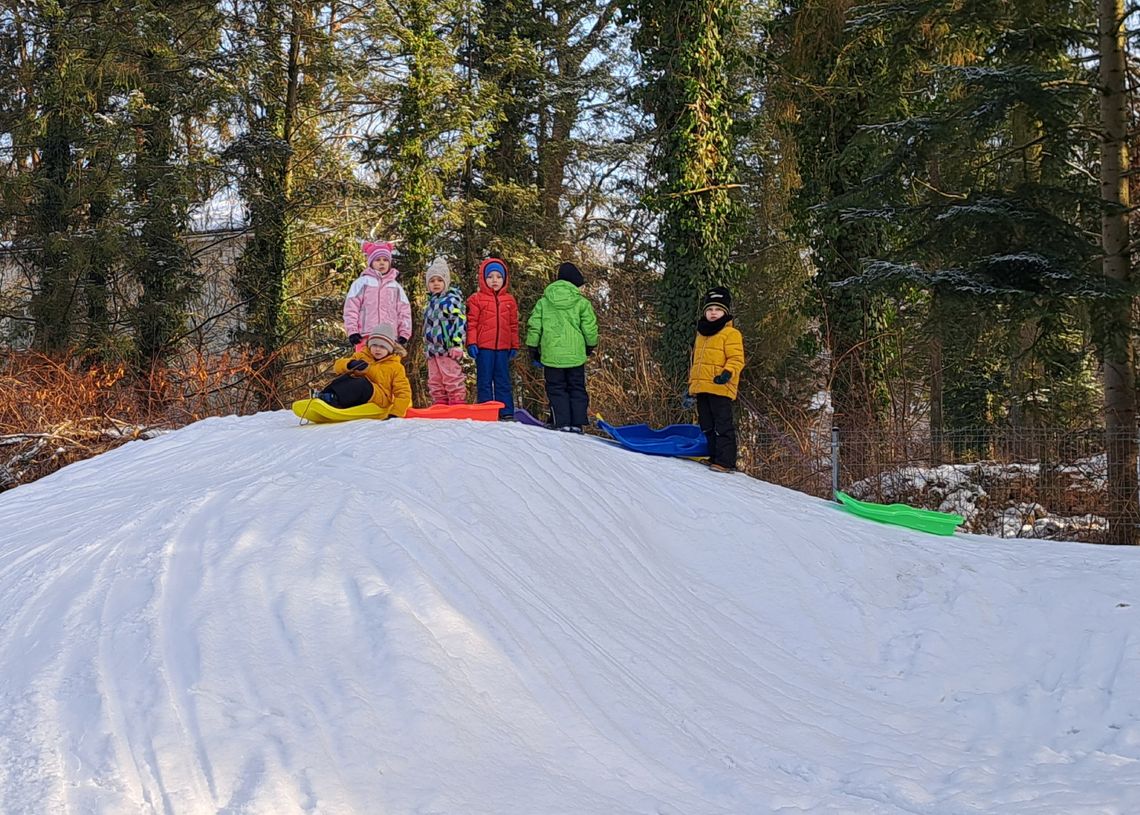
<point x="385" y="334"/>
<point x="439" y="268"/>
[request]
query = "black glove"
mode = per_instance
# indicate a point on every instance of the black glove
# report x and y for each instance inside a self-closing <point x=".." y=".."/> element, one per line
<point x="688" y="401"/>
<point x="590" y="349"/>
<point x="402" y="340"/>
<point x="722" y="377"/>
<point x="357" y="365"/>
<point x="354" y="339"/>
<point x="535" y="356"/>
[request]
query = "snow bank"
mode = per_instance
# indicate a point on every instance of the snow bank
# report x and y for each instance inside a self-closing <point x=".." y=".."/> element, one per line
<point x="250" y="616"/>
<point x="986" y="494"/>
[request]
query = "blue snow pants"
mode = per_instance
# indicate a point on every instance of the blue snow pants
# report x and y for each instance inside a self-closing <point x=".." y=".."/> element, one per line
<point x="493" y="379"/>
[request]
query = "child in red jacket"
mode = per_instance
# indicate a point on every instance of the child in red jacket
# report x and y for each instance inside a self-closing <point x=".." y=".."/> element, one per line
<point x="493" y="335"/>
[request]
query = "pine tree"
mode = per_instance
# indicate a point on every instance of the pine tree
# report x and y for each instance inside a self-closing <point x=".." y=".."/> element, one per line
<point x="989" y="212"/>
<point x="828" y="85"/>
<point x="66" y="138"/>
<point x="176" y="43"/>
<point x="61" y="99"/>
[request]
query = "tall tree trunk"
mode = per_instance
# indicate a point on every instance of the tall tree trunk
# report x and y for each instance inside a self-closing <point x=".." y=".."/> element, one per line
<point x="553" y="153"/>
<point x="165" y="261"/>
<point x="56" y="289"/>
<point x="263" y="266"/>
<point x="97" y="276"/>
<point x="1119" y="362"/>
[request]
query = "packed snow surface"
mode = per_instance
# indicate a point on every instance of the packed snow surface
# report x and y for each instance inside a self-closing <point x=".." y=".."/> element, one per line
<point x="251" y="616"/>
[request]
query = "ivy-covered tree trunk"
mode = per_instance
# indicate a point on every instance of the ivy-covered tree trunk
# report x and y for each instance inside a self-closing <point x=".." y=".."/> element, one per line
<point x="1119" y="351"/>
<point x="164" y="268"/>
<point x="688" y="48"/>
<point x="53" y="211"/>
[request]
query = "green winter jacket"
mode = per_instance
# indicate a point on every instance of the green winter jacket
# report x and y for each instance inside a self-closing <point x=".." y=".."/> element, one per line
<point x="562" y="325"/>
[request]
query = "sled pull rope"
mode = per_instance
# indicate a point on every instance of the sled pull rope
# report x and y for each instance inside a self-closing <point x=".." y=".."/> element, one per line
<point x="309" y="404"/>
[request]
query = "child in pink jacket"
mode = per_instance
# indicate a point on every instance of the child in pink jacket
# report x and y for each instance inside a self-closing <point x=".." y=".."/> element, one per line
<point x="375" y="297"/>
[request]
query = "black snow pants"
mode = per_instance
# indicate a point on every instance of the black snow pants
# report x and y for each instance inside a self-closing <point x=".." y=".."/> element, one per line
<point x="347" y="391"/>
<point x="566" y="393"/>
<point x="714" y="413"/>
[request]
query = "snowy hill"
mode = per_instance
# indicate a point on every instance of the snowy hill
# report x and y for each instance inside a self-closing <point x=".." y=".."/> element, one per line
<point x="414" y="617"/>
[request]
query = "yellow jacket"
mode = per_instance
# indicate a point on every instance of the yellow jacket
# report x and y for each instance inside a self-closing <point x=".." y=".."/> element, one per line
<point x="390" y="387"/>
<point x="723" y="351"/>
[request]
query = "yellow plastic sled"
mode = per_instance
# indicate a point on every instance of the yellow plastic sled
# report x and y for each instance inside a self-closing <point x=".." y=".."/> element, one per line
<point x="319" y="411"/>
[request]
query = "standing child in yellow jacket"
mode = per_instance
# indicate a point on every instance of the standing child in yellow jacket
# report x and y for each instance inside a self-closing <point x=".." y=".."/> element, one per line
<point x="718" y="358"/>
<point x="373" y="374"/>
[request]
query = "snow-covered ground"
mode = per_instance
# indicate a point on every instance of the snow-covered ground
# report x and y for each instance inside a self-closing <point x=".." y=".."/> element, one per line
<point x="248" y="616"/>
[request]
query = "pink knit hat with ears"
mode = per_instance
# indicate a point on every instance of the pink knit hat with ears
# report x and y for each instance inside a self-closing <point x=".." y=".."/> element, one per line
<point x="375" y="250"/>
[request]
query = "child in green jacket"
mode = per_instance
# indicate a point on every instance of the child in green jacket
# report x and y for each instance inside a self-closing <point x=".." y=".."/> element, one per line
<point x="561" y="332"/>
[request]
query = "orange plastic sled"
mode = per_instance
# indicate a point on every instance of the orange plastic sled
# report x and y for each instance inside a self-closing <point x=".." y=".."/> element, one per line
<point x="482" y="412"/>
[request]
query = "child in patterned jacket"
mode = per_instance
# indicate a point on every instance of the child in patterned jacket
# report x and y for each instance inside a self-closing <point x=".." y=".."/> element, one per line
<point x="445" y="329"/>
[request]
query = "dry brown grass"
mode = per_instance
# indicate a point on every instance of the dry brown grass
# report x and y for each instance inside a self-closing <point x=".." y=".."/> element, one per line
<point x="56" y="411"/>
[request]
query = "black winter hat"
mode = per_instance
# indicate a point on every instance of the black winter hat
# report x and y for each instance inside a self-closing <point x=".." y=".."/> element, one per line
<point x="569" y="272"/>
<point x="718" y="296"/>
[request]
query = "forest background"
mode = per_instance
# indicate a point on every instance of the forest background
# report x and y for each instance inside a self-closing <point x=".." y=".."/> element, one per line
<point x="923" y="210"/>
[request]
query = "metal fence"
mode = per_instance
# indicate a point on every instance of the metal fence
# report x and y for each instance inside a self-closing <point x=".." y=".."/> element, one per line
<point x="1010" y="482"/>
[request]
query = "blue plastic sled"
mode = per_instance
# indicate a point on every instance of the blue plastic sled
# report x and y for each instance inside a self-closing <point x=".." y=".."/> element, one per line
<point x="683" y="440"/>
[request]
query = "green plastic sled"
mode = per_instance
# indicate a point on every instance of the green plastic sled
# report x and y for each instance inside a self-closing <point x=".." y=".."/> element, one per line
<point x="924" y="520"/>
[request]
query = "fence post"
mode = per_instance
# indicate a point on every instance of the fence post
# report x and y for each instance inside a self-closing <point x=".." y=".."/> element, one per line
<point x="834" y="462"/>
<point x="1135" y="521"/>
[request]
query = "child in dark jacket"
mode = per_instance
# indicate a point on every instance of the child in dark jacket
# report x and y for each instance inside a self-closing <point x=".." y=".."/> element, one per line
<point x="493" y="335"/>
<point x="561" y="332"/>
<point x="718" y="359"/>
<point x="445" y="329"/>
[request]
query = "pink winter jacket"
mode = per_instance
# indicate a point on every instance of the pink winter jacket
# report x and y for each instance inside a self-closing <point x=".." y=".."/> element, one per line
<point x="372" y="300"/>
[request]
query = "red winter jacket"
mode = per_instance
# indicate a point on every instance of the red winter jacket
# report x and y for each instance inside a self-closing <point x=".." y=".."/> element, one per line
<point x="493" y="317"/>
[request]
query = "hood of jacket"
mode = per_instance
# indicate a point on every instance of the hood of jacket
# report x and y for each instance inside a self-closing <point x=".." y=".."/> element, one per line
<point x="483" y="287"/>
<point x="562" y="294"/>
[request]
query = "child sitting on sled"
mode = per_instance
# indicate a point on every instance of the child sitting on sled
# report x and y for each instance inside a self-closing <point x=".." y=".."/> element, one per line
<point x="718" y="358"/>
<point x="373" y="374"/>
